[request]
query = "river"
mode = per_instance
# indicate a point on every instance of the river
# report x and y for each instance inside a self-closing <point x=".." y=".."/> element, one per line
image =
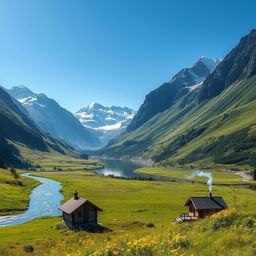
<point x="44" y="201"/>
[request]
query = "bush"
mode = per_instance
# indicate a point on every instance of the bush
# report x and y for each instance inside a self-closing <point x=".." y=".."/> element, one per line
<point x="14" y="173"/>
<point x="28" y="248"/>
<point x="223" y="219"/>
<point x="60" y="226"/>
<point x="150" y="225"/>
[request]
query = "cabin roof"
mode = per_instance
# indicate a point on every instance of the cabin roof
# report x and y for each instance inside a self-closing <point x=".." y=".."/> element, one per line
<point x="215" y="202"/>
<point x="73" y="204"/>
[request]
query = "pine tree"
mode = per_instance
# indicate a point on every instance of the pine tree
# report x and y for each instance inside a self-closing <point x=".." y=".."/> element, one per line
<point x="2" y="163"/>
<point x="254" y="174"/>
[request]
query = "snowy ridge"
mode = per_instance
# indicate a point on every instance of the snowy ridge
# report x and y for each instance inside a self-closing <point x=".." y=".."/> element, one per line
<point x="106" y="122"/>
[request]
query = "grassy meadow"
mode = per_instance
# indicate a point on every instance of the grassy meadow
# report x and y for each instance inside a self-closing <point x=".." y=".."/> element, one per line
<point x="140" y="215"/>
<point x="220" y="176"/>
<point x="52" y="161"/>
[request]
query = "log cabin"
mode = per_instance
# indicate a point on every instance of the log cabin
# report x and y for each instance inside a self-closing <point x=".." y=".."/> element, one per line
<point x="200" y="207"/>
<point x="79" y="212"/>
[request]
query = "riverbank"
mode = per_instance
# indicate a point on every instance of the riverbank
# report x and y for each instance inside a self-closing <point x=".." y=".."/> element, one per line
<point x="220" y="177"/>
<point x="15" y="192"/>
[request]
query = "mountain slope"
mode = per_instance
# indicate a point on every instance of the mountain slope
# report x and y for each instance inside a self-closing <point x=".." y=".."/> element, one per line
<point x="16" y="127"/>
<point x="239" y="64"/>
<point x="105" y="122"/>
<point x="219" y="129"/>
<point x="54" y="119"/>
<point x="165" y="96"/>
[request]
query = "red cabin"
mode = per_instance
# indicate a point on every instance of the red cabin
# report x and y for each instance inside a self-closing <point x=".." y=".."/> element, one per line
<point x="200" y="207"/>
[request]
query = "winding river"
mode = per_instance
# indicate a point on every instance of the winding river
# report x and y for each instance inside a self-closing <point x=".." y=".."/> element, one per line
<point x="44" y="201"/>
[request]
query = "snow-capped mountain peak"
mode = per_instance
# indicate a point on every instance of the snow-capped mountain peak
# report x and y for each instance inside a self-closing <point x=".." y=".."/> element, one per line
<point x="210" y="63"/>
<point x="21" y="92"/>
<point x="107" y="122"/>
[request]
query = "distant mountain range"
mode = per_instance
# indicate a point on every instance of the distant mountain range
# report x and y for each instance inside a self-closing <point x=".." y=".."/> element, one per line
<point x="54" y="119"/>
<point x="88" y="129"/>
<point x="189" y="121"/>
<point x="105" y="122"/>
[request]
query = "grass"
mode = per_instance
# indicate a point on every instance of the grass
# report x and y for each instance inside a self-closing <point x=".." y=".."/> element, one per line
<point x="128" y="207"/>
<point x="220" y="176"/>
<point x="48" y="161"/>
<point x="14" y="193"/>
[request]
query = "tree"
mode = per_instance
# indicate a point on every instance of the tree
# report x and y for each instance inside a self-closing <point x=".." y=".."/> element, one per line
<point x="14" y="173"/>
<point x="254" y="174"/>
<point x="2" y="163"/>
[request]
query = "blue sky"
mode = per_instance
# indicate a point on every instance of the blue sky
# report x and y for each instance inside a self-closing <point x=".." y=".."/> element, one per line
<point x="112" y="51"/>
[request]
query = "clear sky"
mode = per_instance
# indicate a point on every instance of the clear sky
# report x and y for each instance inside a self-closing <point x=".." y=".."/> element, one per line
<point x="113" y="52"/>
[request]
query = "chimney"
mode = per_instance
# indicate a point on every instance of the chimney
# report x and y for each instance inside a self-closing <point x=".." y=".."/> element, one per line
<point x="210" y="194"/>
<point x="76" y="197"/>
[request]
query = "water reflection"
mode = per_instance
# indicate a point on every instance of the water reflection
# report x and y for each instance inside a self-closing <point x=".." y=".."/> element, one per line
<point x="119" y="168"/>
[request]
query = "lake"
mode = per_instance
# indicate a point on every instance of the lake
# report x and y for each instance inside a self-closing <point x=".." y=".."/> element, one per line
<point x="119" y="168"/>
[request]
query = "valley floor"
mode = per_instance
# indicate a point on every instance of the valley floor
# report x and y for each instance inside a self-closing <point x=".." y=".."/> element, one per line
<point x="140" y="215"/>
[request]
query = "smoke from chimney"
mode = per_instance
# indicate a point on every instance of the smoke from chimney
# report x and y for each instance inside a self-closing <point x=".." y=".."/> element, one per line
<point x="197" y="172"/>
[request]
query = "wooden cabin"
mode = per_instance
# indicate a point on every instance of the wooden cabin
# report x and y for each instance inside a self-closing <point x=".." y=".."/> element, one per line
<point x="79" y="212"/>
<point x="200" y="207"/>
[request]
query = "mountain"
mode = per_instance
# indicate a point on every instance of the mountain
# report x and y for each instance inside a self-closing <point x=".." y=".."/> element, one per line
<point x="105" y="122"/>
<point x="211" y="123"/>
<point x="17" y="131"/>
<point x="54" y="119"/>
<point x="239" y="64"/>
<point x="165" y="96"/>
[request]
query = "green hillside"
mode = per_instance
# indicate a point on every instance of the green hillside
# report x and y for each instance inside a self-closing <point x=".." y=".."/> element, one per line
<point x="221" y="130"/>
<point x="18" y="133"/>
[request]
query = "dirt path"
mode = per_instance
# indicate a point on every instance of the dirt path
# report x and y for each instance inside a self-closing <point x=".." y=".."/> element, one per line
<point x="243" y="174"/>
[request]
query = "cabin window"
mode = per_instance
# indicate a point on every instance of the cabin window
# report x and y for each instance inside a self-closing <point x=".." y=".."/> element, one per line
<point x="79" y="215"/>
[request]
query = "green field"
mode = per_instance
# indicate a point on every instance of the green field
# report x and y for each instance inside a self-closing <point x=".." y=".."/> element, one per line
<point x="219" y="176"/>
<point x="49" y="161"/>
<point x="128" y="206"/>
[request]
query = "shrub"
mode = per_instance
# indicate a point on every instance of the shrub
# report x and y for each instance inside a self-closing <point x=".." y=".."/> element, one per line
<point x="150" y="225"/>
<point x="14" y="173"/>
<point x="28" y="248"/>
<point x="223" y="219"/>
